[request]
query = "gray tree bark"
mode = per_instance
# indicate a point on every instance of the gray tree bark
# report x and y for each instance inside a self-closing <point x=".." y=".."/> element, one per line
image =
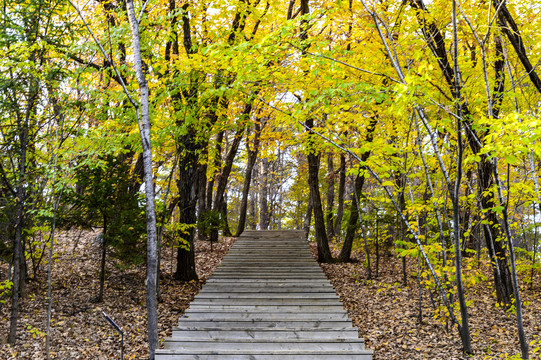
<point x="354" y="217"/>
<point x="219" y="200"/>
<point x="264" y="219"/>
<point x="252" y="157"/>
<point x="144" y="130"/>
<point x="341" y="195"/>
<point x="330" y="196"/>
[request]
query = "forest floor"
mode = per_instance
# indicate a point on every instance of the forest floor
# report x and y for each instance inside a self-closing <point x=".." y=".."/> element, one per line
<point x="387" y="313"/>
<point x="79" y="329"/>
<point x="385" y="310"/>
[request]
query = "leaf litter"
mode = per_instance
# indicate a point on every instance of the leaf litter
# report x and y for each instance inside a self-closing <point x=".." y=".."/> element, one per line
<point x="79" y="329"/>
<point x="387" y="313"/>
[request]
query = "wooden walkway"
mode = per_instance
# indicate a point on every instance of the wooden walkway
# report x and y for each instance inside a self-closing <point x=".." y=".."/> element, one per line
<point x="267" y="300"/>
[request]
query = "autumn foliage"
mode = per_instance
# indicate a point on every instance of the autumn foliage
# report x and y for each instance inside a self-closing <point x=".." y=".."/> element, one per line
<point x="405" y="129"/>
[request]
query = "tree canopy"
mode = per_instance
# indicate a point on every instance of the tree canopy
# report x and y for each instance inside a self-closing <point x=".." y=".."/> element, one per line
<point x="419" y="116"/>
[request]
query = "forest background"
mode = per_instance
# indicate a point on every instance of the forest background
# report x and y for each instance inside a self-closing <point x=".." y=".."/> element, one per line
<point x="406" y="128"/>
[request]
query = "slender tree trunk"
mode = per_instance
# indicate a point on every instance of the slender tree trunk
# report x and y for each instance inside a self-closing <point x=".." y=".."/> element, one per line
<point x="535" y="245"/>
<point x="330" y="196"/>
<point x="219" y="201"/>
<point x="516" y="288"/>
<point x="400" y="183"/>
<point x="20" y="221"/>
<point x="308" y="217"/>
<point x="353" y="222"/>
<point x="56" y="203"/>
<point x="533" y="170"/>
<point x="103" y="257"/>
<point x="217" y="165"/>
<point x="341" y="195"/>
<point x="252" y="157"/>
<point x="223" y="209"/>
<point x="167" y="212"/>
<point x="432" y="194"/>
<point x="376" y="240"/>
<point x="253" y="213"/>
<point x="420" y="314"/>
<point x="254" y="200"/>
<point x="201" y="195"/>
<point x="17" y="255"/>
<point x="510" y="29"/>
<point x="144" y="129"/>
<point x="366" y="248"/>
<point x="323" y="250"/>
<point x="263" y="196"/>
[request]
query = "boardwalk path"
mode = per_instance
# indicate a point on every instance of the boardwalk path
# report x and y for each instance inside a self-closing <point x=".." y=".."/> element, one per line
<point x="268" y="300"/>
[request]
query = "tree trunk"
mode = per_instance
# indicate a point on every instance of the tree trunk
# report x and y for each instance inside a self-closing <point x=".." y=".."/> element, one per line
<point x="217" y="163"/>
<point x="341" y="195"/>
<point x="513" y="34"/>
<point x="330" y="196"/>
<point x="323" y="250"/>
<point x="17" y="259"/>
<point x="245" y="192"/>
<point x="252" y="221"/>
<point x="308" y="217"/>
<point x="188" y="163"/>
<point x="201" y="195"/>
<point x="353" y="223"/>
<point x="516" y="287"/>
<point x="219" y="200"/>
<point x="263" y="196"/>
<point x="496" y="251"/>
<point x="103" y="257"/>
<point x="376" y="240"/>
<point x="225" y="226"/>
<point x="252" y="157"/>
<point x="400" y="184"/>
<point x="253" y="213"/>
<point x="20" y="220"/>
<point x="144" y="129"/>
<point x="366" y="250"/>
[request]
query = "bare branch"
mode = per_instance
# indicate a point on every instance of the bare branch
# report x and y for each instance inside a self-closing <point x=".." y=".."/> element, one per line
<point x="120" y="80"/>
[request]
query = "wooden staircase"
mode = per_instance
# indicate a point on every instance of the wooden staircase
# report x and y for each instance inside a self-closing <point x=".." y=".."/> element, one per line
<point x="267" y="300"/>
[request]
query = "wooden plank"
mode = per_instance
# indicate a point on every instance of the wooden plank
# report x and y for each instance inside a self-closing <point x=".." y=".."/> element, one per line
<point x="314" y="335"/>
<point x="172" y="355"/>
<point x="256" y="347"/>
<point x="216" y="316"/>
<point x="282" y="293"/>
<point x="262" y="325"/>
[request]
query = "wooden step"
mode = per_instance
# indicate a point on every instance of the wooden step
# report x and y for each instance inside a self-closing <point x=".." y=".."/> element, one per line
<point x="268" y="300"/>
<point x="249" y="325"/>
<point x="255" y="347"/>
<point x="216" y="316"/>
<point x="290" y="293"/>
<point x="306" y="335"/>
